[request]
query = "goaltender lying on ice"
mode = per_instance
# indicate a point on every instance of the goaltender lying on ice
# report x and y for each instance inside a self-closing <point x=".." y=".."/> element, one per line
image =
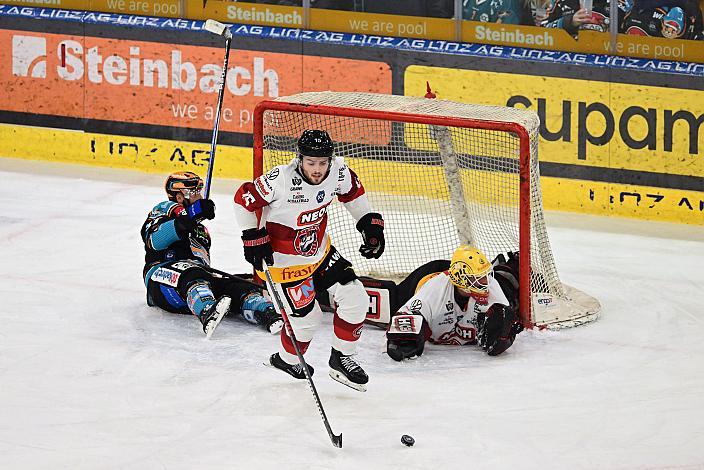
<point x="465" y="301"/>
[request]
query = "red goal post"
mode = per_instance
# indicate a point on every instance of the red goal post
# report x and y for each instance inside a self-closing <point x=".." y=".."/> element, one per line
<point x="443" y="151"/>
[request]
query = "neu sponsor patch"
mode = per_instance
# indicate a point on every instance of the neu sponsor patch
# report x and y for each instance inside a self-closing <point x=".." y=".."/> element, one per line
<point x="301" y="294"/>
<point x="306" y="241"/>
<point x="313" y="216"/>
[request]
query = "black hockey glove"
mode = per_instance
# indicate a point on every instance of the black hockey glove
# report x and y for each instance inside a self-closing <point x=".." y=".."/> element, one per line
<point x="499" y="329"/>
<point x="201" y="209"/>
<point x="184" y="225"/>
<point x="371" y="226"/>
<point x="257" y="247"/>
<point x="405" y="337"/>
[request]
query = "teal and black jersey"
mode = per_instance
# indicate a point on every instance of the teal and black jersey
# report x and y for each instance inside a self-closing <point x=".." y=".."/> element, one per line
<point x="163" y="241"/>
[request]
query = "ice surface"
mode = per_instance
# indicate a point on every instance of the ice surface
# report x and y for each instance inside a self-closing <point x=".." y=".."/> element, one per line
<point x="92" y="378"/>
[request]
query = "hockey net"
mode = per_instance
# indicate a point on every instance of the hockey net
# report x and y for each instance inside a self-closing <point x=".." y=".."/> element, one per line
<point x="441" y="173"/>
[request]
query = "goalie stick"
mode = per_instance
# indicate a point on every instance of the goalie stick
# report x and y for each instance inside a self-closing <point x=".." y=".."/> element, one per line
<point x="336" y="439"/>
<point x="220" y="29"/>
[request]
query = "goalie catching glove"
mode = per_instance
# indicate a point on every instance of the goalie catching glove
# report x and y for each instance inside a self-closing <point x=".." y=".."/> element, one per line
<point x="499" y="329"/>
<point x="405" y="337"/>
<point x="371" y="226"/>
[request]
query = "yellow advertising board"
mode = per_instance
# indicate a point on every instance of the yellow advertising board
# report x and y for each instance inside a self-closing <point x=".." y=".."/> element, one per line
<point x="163" y="8"/>
<point x="245" y="13"/>
<point x="596" y="124"/>
<point x="623" y="200"/>
<point x="586" y="122"/>
<point x="554" y="39"/>
<point x="587" y="42"/>
<point x="134" y="153"/>
<point x="382" y="25"/>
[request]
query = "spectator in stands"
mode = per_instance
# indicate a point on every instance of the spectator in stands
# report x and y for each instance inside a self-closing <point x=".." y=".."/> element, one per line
<point x="498" y="11"/>
<point x="673" y="19"/>
<point x="572" y="17"/>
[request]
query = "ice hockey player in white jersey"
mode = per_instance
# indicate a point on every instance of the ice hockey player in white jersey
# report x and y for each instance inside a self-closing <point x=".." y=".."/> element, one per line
<point x="283" y="214"/>
<point x="463" y="305"/>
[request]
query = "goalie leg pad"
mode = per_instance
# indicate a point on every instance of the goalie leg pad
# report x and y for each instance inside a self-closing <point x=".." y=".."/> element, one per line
<point x="406" y="336"/>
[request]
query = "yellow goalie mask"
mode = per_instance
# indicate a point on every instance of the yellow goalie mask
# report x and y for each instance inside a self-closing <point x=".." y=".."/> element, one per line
<point x="470" y="272"/>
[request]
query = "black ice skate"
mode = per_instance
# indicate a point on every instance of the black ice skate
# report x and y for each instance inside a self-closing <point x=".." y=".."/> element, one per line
<point x="345" y="370"/>
<point x="295" y="370"/>
<point x="212" y="315"/>
<point x="271" y="319"/>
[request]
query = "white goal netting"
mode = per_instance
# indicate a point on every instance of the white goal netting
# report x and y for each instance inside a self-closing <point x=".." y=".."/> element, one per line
<point x="441" y="173"/>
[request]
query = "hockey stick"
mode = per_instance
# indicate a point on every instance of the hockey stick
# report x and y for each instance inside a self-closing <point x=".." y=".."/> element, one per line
<point x="336" y="439"/>
<point x="234" y="277"/>
<point x="220" y="29"/>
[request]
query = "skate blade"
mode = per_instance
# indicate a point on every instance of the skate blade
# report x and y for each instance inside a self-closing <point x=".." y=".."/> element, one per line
<point x="339" y="377"/>
<point x="271" y="366"/>
<point x="221" y="309"/>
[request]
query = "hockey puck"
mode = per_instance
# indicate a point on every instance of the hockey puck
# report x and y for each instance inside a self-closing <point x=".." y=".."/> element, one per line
<point x="407" y="440"/>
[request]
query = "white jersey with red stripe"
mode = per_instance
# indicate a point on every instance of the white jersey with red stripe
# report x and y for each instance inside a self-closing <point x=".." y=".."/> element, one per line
<point x="450" y="323"/>
<point x="294" y="213"/>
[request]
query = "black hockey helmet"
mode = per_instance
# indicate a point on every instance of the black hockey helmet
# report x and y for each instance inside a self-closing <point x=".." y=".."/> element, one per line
<point x="183" y="182"/>
<point x="315" y="143"/>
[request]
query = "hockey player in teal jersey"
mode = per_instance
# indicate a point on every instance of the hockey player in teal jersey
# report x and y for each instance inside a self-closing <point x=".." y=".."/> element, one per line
<point x="177" y="271"/>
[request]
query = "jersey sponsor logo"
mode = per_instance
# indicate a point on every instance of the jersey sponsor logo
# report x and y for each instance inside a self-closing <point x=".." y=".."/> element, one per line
<point x="416" y="305"/>
<point x="302" y="294"/>
<point x="306" y="241"/>
<point x="261" y="187"/>
<point x="320" y="196"/>
<point x="298" y="199"/>
<point x="341" y="173"/>
<point x="467" y="333"/>
<point x="296" y="181"/>
<point x="313" y="216"/>
<point x="287" y="274"/>
<point x="450" y="306"/>
<point x="166" y="276"/>
<point x="295" y="188"/>
<point x="273" y="174"/>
